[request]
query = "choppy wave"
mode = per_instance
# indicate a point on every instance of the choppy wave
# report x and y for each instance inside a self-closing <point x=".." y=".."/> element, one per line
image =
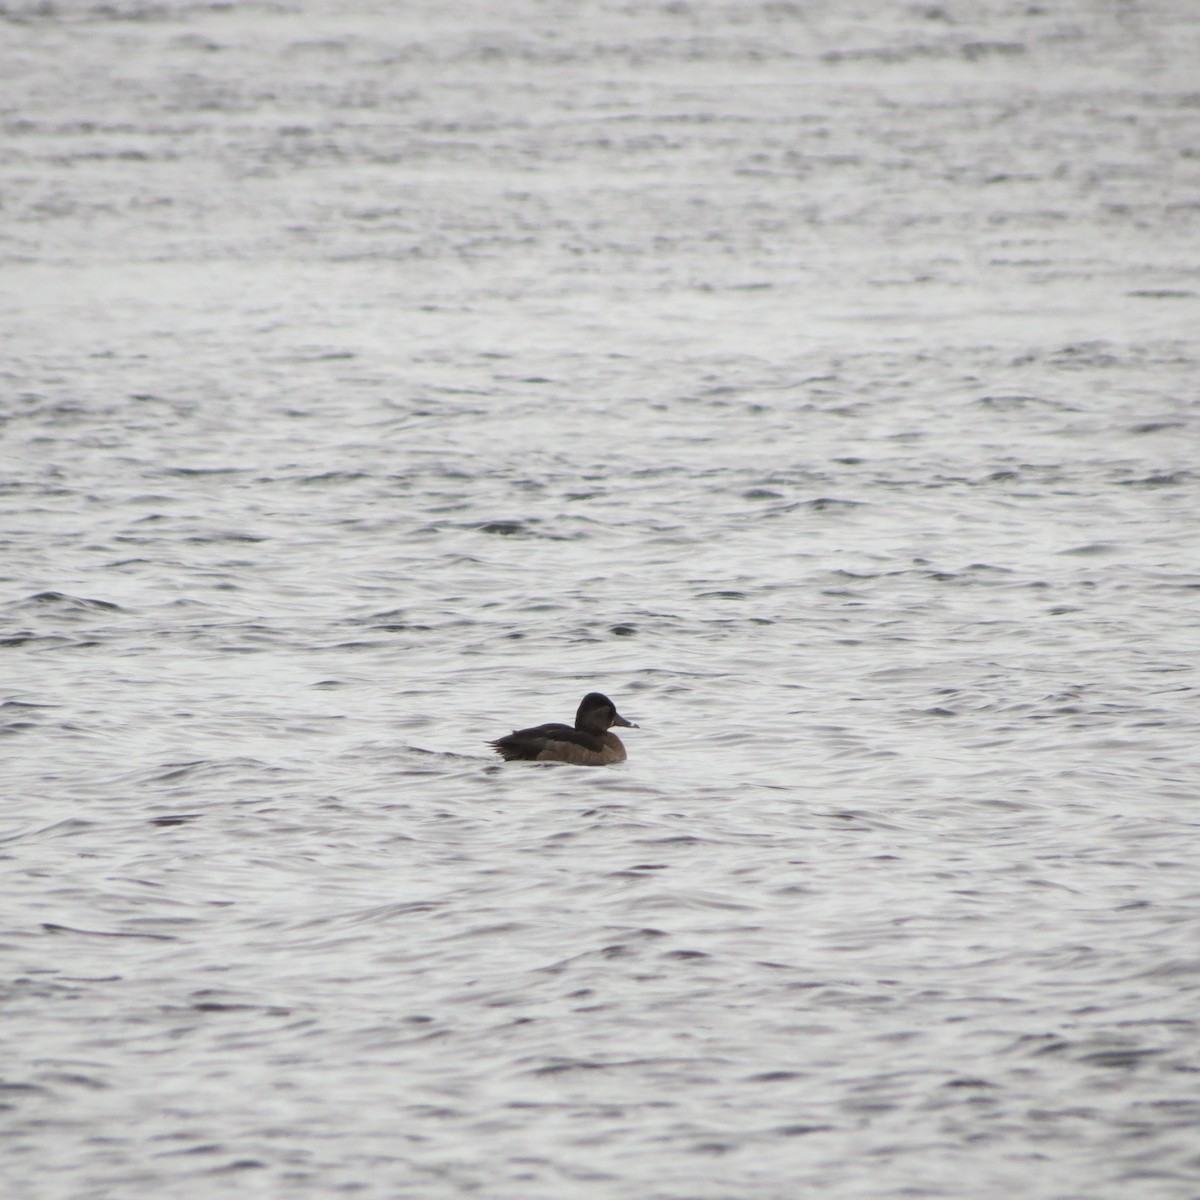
<point x="816" y="381"/>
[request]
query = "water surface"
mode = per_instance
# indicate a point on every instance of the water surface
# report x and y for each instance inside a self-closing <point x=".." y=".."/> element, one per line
<point x="817" y="381"/>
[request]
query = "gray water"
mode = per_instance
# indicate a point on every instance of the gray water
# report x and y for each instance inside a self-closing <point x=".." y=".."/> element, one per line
<point x="817" y="380"/>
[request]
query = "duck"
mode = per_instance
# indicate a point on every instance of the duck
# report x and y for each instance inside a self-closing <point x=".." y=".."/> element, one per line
<point x="586" y="744"/>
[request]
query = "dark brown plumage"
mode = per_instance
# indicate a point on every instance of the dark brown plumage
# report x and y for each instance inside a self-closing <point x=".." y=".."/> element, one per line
<point x="587" y="744"/>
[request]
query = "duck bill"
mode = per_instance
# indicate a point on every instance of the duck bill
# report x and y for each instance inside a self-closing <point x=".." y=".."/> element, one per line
<point x="620" y="720"/>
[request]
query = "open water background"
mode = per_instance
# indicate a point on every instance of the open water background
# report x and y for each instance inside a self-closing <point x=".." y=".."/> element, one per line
<point x="819" y="380"/>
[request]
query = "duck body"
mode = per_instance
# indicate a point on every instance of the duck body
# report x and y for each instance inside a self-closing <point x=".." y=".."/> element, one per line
<point x="587" y="743"/>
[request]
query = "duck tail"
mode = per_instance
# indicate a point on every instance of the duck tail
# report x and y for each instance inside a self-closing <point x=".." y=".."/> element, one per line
<point x="507" y="748"/>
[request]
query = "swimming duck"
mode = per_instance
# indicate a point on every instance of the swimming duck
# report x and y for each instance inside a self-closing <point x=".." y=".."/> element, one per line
<point x="588" y="744"/>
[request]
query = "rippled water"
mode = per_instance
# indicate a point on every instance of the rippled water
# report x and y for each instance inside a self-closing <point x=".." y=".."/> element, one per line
<point x="819" y="381"/>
